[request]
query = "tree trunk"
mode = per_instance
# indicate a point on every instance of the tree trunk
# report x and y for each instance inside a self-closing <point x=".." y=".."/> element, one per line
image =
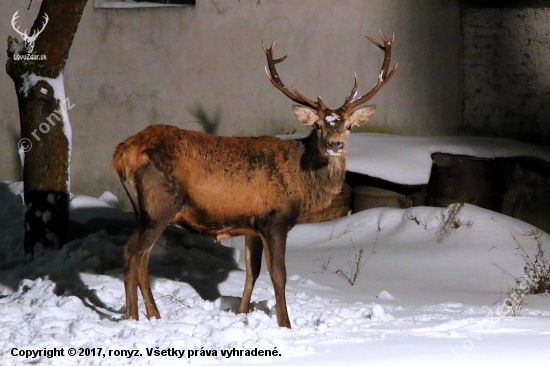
<point x="45" y="128"/>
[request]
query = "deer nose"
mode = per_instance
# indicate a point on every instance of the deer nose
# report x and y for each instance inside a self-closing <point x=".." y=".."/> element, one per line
<point x="335" y="145"/>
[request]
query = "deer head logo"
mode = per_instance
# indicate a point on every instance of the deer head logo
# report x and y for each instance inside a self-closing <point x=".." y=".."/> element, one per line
<point x="29" y="40"/>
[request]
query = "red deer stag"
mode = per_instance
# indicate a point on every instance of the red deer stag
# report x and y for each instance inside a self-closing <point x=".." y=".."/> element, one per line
<point x="227" y="186"/>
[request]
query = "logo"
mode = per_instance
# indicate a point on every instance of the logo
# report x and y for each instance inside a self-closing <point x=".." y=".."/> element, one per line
<point x="29" y="39"/>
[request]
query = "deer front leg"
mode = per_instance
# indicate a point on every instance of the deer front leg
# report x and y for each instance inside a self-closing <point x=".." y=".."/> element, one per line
<point x="275" y="247"/>
<point x="253" y="260"/>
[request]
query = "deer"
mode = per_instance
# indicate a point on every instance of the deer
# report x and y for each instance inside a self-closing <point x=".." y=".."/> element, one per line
<point x="228" y="186"/>
<point x="29" y="40"/>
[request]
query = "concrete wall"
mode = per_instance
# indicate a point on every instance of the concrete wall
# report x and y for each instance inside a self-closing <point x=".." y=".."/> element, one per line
<point x="506" y="70"/>
<point x="131" y="68"/>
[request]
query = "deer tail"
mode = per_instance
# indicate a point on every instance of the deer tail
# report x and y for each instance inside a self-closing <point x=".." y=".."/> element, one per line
<point x="129" y="156"/>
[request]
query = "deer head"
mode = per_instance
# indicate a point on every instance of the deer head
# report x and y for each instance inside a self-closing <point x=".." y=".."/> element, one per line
<point x="333" y="125"/>
<point x="29" y="40"/>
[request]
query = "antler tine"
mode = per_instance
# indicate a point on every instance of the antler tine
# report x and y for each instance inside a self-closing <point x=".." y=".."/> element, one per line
<point x="13" y="21"/>
<point x="273" y="76"/>
<point x="383" y="77"/>
<point x="321" y="103"/>
<point x="375" y="42"/>
<point x="37" y="32"/>
<point x="353" y="91"/>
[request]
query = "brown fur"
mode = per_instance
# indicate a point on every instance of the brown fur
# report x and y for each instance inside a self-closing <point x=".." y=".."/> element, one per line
<point x="221" y="186"/>
<point x="228" y="179"/>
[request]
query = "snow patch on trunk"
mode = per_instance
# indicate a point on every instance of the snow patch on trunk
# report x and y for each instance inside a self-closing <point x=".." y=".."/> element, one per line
<point x="58" y="86"/>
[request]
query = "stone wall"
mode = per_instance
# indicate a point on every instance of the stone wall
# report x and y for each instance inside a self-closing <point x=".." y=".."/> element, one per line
<point x="506" y="69"/>
<point x="129" y="68"/>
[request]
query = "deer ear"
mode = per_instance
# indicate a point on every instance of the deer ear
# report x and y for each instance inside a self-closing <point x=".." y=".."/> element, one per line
<point x="362" y="115"/>
<point x="305" y="115"/>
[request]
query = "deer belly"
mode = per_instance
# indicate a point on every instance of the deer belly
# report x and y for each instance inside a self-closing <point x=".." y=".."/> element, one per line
<point x="218" y="228"/>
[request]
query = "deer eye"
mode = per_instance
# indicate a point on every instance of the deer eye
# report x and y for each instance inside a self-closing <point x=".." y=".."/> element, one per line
<point x="348" y="127"/>
<point x="318" y="125"/>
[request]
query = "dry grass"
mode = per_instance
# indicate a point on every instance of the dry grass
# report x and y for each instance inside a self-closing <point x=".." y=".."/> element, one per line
<point x="451" y="221"/>
<point x="355" y="266"/>
<point x="358" y="262"/>
<point x="535" y="280"/>
<point x="514" y="302"/>
<point x="325" y="259"/>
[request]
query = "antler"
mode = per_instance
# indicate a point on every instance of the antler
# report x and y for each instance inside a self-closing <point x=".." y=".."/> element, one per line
<point x="276" y="81"/>
<point x="383" y="77"/>
<point x="35" y="34"/>
<point x="23" y="35"/>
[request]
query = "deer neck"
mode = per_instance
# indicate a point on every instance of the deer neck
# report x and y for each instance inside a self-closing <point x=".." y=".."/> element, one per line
<point x="322" y="176"/>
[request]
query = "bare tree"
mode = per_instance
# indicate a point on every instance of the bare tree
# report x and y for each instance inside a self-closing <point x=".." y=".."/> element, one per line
<point x="36" y="67"/>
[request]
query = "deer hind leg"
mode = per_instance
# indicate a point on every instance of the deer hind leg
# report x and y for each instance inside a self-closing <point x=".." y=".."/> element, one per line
<point x="253" y="260"/>
<point x="156" y="205"/>
<point x="131" y="263"/>
<point x="131" y="193"/>
<point x="275" y="245"/>
<point x="136" y="257"/>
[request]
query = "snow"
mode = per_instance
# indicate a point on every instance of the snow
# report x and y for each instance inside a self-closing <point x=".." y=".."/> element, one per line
<point x="385" y="295"/>
<point x="110" y="199"/>
<point x="332" y="118"/>
<point x="417" y="299"/>
<point x="332" y="153"/>
<point x="407" y="159"/>
<point x="17" y="47"/>
<point x="355" y="97"/>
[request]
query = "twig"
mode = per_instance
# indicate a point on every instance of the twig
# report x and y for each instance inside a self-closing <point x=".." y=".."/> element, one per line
<point x="451" y="222"/>
<point x="323" y="261"/>
<point x="355" y="267"/>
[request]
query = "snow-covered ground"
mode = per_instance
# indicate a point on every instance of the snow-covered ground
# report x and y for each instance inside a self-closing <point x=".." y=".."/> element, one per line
<point x="420" y="298"/>
<point x="415" y="301"/>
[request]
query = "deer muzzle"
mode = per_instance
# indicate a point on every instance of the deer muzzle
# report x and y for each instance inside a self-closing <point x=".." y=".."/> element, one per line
<point x="335" y="147"/>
